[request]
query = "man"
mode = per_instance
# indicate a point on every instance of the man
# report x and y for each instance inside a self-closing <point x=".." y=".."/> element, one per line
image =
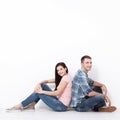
<point x="88" y="94"/>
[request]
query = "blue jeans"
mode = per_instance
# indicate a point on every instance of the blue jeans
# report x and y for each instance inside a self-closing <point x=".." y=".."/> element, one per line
<point x="91" y="103"/>
<point x="52" y="101"/>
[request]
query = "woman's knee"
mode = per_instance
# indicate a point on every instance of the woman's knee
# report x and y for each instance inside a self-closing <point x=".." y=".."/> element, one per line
<point x="45" y="87"/>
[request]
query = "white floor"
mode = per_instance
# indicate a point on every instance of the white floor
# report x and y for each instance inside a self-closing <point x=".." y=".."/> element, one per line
<point x="44" y="113"/>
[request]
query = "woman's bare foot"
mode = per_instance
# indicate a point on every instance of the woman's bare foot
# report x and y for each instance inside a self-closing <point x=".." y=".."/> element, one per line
<point x="19" y="107"/>
<point x="30" y="106"/>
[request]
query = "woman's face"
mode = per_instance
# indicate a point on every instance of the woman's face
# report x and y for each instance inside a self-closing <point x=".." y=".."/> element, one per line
<point x="61" y="70"/>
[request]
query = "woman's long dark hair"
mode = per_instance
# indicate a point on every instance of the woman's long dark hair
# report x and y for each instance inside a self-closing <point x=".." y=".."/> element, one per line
<point x="58" y="77"/>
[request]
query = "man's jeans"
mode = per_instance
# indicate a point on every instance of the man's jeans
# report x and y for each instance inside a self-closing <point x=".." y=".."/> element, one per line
<point x="52" y="101"/>
<point x="91" y="103"/>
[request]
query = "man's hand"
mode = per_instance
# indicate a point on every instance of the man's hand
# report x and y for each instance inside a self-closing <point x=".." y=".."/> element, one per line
<point x="104" y="90"/>
<point x="107" y="100"/>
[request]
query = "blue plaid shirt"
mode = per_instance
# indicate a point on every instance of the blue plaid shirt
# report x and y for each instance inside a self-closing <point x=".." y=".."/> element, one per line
<point x="81" y="86"/>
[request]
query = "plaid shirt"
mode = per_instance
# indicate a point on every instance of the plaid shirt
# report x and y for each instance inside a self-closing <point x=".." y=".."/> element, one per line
<point x="81" y="87"/>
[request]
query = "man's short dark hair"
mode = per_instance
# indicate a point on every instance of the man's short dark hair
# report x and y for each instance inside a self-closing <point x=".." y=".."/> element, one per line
<point x="85" y="56"/>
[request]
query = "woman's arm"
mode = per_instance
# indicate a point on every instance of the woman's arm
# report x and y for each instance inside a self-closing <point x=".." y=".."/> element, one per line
<point x="47" y="81"/>
<point x="58" y="92"/>
<point x="38" y="86"/>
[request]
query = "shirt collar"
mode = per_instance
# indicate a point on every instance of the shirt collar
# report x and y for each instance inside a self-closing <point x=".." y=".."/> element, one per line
<point x="84" y="72"/>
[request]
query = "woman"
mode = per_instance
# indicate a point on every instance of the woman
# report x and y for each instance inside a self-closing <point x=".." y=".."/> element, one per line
<point x="58" y="100"/>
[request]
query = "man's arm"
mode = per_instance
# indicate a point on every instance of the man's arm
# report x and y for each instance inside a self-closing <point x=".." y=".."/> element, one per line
<point x="93" y="93"/>
<point x="102" y="86"/>
<point x="104" y="90"/>
<point x="98" y="84"/>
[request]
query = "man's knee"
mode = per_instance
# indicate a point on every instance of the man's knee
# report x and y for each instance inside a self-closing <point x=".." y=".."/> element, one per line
<point x="97" y="89"/>
<point x="59" y="109"/>
<point x="100" y="99"/>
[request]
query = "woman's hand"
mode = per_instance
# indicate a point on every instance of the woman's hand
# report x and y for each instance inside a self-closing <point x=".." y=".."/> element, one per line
<point x="37" y="88"/>
<point x="40" y="91"/>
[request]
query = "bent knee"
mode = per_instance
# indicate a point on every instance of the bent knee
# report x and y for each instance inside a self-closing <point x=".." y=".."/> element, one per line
<point x="100" y="99"/>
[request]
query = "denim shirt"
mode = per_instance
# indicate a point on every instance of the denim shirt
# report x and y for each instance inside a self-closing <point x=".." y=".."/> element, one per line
<point x="81" y="87"/>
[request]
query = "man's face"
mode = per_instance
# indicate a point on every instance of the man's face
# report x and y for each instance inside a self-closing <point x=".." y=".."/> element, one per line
<point x="86" y="64"/>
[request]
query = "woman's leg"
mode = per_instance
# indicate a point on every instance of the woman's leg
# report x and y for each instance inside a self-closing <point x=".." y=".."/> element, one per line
<point x="51" y="101"/>
<point x="34" y="98"/>
<point x="31" y="100"/>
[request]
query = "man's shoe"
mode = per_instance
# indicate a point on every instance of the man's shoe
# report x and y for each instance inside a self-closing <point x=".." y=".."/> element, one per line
<point x="107" y="109"/>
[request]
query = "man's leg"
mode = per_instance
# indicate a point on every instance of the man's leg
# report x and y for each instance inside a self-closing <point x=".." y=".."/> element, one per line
<point x="90" y="103"/>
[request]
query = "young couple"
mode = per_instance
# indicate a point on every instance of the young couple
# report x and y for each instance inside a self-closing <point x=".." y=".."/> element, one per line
<point x="83" y="94"/>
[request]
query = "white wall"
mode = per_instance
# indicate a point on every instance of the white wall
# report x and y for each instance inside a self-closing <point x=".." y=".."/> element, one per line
<point x="35" y="35"/>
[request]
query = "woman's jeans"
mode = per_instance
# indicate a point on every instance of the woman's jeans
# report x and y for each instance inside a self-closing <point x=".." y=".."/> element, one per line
<point x="91" y="103"/>
<point x="52" y="101"/>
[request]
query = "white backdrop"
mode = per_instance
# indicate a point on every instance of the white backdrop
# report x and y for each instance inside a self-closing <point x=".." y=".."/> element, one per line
<point x="36" y="34"/>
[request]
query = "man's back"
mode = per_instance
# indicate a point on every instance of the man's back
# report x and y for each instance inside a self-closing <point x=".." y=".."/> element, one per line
<point x="80" y="87"/>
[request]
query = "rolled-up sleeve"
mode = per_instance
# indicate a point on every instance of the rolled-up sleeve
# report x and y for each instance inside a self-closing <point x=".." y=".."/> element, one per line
<point x="90" y="81"/>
